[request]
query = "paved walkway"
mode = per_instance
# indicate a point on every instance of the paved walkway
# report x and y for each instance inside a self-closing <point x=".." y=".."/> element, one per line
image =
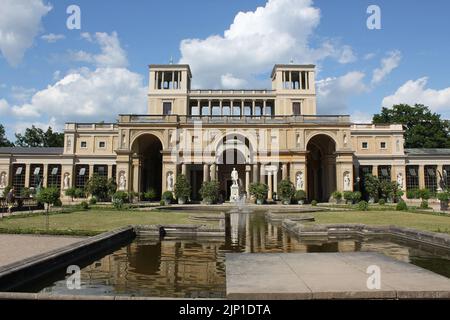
<point x="328" y="276"/>
<point x="14" y="248"/>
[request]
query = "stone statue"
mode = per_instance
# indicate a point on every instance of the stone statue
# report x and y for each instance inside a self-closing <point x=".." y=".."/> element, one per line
<point x="400" y="180"/>
<point x="170" y="181"/>
<point x="66" y="182"/>
<point x="345" y="139"/>
<point x="234" y="177"/>
<point x="299" y="185"/>
<point x="3" y="180"/>
<point x="122" y="181"/>
<point x="347" y="182"/>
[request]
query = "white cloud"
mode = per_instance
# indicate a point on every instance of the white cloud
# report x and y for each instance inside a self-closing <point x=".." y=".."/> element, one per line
<point x="21" y="94"/>
<point x="361" y="117"/>
<point x="256" y="40"/>
<point x="51" y="37"/>
<point x="20" y="22"/>
<point x="4" y="107"/>
<point x="333" y="93"/>
<point x="111" y="53"/>
<point x="230" y="82"/>
<point x="415" y="91"/>
<point x="369" y="56"/>
<point x="388" y="64"/>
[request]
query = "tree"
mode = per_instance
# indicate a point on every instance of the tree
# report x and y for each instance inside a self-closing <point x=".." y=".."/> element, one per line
<point x="4" y="142"/>
<point x="48" y="196"/>
<point x="182" y="188"/>
<point x="36" y="137"/>
<point x="424" y="129"/>
<point x="98" y="186"/>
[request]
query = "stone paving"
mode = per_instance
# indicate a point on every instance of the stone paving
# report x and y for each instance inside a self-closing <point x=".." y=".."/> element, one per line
<point x="327" y="276"/>
<point x="14" y="248"/>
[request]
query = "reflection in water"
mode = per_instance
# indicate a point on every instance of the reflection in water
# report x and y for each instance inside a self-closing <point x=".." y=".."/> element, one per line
<point x="196" y="268"/>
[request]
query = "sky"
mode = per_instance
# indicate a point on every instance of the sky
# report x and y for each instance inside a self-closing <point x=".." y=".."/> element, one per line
<point x="50" y="74"/>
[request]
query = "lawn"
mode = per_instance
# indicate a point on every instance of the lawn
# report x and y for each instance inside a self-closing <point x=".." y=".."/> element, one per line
<point x="419" y="221"/>
<point x="91" y="221"/>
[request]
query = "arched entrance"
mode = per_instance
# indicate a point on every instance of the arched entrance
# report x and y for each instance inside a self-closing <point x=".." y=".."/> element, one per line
<point x="148" y="149"/>
<point x="233" y="152"/>
<point x="321" y="164"/>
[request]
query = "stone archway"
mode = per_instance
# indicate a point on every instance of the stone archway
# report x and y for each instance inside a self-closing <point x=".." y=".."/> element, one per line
<point x="321" y="166"/>
<point x="147" y="150"/>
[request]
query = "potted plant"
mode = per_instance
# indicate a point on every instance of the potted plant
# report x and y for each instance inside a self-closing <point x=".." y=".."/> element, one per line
<point x="167" y="197"/>
<point x="347" y="196"/>
<point x="300" y="196"/>
<point x="337" y="196"/>
<point x="259" y="191"/>
<point x="444" y="198"/>
<point x="286" y="190"/>
<point x="356" y="196"/>
<point x="210" y="191"/>
<point x="182" y="189"/>
<point x="372" y="185"/>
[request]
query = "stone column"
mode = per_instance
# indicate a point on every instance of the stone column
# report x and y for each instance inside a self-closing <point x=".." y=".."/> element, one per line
<point x="136" y="182"/>
<point x="27" y="175"/>
<point x="255" y="172"/>
<point x="375" y="170"/>
<point x="184" y="169"/>
<point x="45" y="175"/>
<point x="247" y="180"/>
<point x="284" y="172"/>
<point x="205" y="172"/>
<point x="275" y="181"/>
<point x="262" y="177"/>
<point x="91" y="170"/>
<point x="269" y="182"/>
<point x="421" y="176"/>
<point x="109" y="167"/>
<point x="212" y="175"/>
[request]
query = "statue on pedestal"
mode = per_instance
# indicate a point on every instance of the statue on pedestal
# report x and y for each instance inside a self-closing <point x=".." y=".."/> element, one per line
<point x="234" y="177"/>
<point x="122" y="181"/>
<point x="234" y="189"/>
<point x="347" y="182"/>
<point x="66" y="182"/>
<point x="170" y="181"/>
<point x="299" y="182"/>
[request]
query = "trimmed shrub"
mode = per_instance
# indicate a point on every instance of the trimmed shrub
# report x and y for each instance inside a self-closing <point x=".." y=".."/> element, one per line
<point x="71" y="192"/>
<point x="80" y="193"/>
<point x="424" y="194"/>
<point x="412" y="194"/>
<point x="286" y="190"/>
<point x="337" y="195"/>
<point x="93" y="200"/>
<point x="314" y="203"/>
<point x="381" y="202"/>
<point x="97" y="186"/>
<point x="150" y="194"/>
<point x="401" y="206"/>
<point x="300" y="195"/>
<point x="347" y="196"/>
<point x="210" y="191"/>
<point x="167" y="195"/>
<point x="259" y="190"/>
<point x="443" y="196"/>
<point x="363" y="205"/>
<point x="117" y="203"/>
<point x="182" y="188"/>
<point x="424" y="204"/>
<point x="122" y="195"/>
<point x="48" y="196"/>
<point x="84" y="205"/>
<point x="356" y="196"/>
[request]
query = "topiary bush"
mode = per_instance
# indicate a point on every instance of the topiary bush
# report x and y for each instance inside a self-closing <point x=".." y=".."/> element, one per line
<point x="424" y="204"/>
<point x="122" y="195"/>
<point x="356" y="196"/>
<point x="314" y="203"/>
<point x="337" y="196"/>
<point x="363" y="205"/>
<point x="412" y="194"/>
<point x="401" y="206"/>
<point x="381" y="202"/>
<point x="167" y="197"/>
<point x="182" y="188"/>
<point x="84" y="205"/>
<point x="93" y="200"/>
<point x="210" y="191"/>
<point x="347" y="196"/>
<point x="259" y="191"/>
<point x="286" y="191"/>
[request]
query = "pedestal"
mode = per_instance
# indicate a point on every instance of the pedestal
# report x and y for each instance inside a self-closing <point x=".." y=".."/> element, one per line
<point x="234" y="193"/>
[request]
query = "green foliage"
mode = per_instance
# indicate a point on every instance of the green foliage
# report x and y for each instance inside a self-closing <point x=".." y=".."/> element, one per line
<point x="97" y="186"/>
<point x="71" y="192"/>
<point x="121" y="195"/>
<point x="401" y="206"/>
<point x="26" y="193"/>
<point x="111" y="187"/>
<point x="356" y="196"/>
<point x="80" y="193"/>
<point x="300" y="195"/>
<point x="424" y="204"/>
<point x="286" y="190"/>
<point x="347" y="196"/>
<point x="371" y="184"/>
<point x="388" y="189"/>
<point x="259" y="190"/>
<point x="337" y="195"/>
<point x="381" y="202"/>
<point x="210" y="191"/>
<point x="424" y="194"/>
<point x="182" y="188"/>
<point x="36" y="137"/>
<point x="424" y="129"/>
<point x="4" y="142"/>
<point x="443" y="196"/>
<point x="57" y="203"/>
<point x="150" y="194"/>
<point x="161" y="202"/>
<point x="412" y="194"/>
<point x="93" y="200"/>
<point x="48" y="196"/>
<point x="167" y="195"/>
<point x="363" y="205"/>
<point x="84" y="205"/>
<point x="314" y="203"/>
<point x="117" y="203"/>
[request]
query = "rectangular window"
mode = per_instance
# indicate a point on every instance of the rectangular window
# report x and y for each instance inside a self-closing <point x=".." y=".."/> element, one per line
<point x="431" y="178"/>
<point x="102" y="144"/>
<point x="383" y="145"/>
<point x="167" y="108"/>
<point x="18" y="180"/>
<point x="205" y="110"/>
<point x="101" y="170"/>
<point x="296" y="108"/>
<point x="81" y="175"/>
<point x="384" y="173"/>
<point x="365" y="145"/>
<point x="412" y="177"/>
<point x="36" y="175"/>
<point x="54" y="176"/>
<point x="83" y="144"/>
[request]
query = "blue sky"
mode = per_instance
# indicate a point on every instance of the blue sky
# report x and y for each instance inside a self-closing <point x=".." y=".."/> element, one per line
<point x="99" y="71"/>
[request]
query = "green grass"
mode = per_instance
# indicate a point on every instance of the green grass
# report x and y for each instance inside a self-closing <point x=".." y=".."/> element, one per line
<point x="421" y="221"/>
<point x="90" y="222"/>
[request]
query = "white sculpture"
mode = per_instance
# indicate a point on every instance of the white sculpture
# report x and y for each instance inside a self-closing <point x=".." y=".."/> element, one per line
<point x="299" y="181"/>
<point x="345" y="139"/>
<point x="122" y="181"/>
<point x="3" y="180"/>
<point x="66" y="182"/>
<point x="400" y="180"/>
<point x="347" y="182"/>
<point x="170" y="181"/>
<point x="234" y="177"/>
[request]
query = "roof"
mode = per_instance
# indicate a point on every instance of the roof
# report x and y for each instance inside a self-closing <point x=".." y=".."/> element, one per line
<point x="31" y="150"/>
<point x="428" y="151"/>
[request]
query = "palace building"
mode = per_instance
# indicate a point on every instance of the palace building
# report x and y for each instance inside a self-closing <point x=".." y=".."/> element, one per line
<point x="265" y="135"/>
